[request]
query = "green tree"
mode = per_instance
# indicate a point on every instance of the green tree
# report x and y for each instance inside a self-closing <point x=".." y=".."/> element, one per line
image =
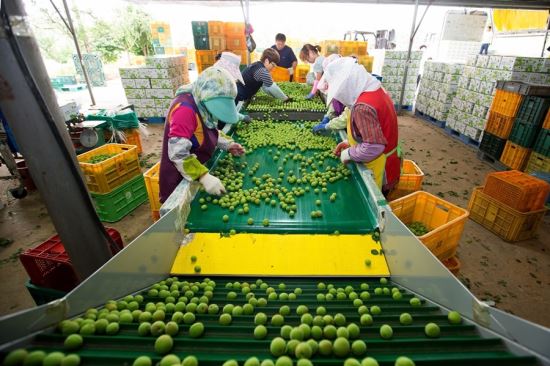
<point x="105" y="42"/>
<point x="134" y="33"/>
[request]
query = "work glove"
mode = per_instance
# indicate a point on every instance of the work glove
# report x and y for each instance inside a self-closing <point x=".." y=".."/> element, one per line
<point x="288" y="100"/>
<point x="247" y="118"/>
<point x="321" y="127"/>
<point x="344" y="156"/>
<point x="341" y="146"/>
<point x="236" y="149"/>
<point x="310" y="96"/>
<point x="291" y="71"/>
<point x="212" y="184"/>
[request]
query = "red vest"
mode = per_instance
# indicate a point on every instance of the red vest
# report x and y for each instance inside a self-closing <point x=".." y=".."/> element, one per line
<point x="385" y="110"/>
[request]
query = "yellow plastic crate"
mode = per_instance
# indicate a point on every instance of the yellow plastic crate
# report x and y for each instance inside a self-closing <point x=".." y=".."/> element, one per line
<point x="444" y="220"/>
<point x="280" y="74"/>
<point x="105" y="176"/>
<point x="504" y="221"/>
<point x="353" y="48"/>
<point x="367" y="61"/>
<point x="300" y="74"/>
<point x="410" y="180"/>
<point x="152" y="185"/>
<point x="538" y="163"/>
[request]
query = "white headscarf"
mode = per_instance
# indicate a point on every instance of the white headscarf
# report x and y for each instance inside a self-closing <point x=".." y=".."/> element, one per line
<point x="231" y="62"/>
<point x="347" y="79"/>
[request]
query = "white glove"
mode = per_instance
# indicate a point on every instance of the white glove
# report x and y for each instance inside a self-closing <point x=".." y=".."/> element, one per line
<point x="344" y="156"/>
<point x="291" y="70"/>
<point x="212" y="184"/>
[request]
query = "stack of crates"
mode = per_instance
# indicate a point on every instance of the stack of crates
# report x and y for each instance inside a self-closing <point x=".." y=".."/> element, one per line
<point x="153" y="190"/>
<point x="161" y="38"/>
<point x="344" y="48"/>
<point x="115" y="183"/>
<point x="200" y="35"/>
<point x="213" y="37"/>
<point x="514" y="123"/>
<point x="510" y="204"/>
<point x="540" y="157"/>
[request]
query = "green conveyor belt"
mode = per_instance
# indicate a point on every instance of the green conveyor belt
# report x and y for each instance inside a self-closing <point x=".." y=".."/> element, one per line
<point x="349" y="213"/>
<point x="457" y="345"/>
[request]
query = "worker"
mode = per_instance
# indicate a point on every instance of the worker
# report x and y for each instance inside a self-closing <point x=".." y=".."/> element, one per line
<point x="231" y="62"/>
<point x="190" y="134"/>
<point x="336" y="119"/>
<point x="486" y="40"/>
<point x="287" y="57"/>
<point x="257" y="76"/>
<point x="311" y="54"/>
<point x="372" y="124"/>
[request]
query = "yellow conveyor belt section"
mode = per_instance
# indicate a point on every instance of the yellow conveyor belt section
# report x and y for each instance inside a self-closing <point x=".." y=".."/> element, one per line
<point x="281" y="255"/>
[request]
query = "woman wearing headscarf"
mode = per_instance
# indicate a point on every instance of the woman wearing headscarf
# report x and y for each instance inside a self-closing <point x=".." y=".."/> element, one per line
<point x="190" y="133"/>
<point x="372" y="124"/>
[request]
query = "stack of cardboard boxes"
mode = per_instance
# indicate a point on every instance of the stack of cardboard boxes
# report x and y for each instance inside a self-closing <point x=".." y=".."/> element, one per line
<point x="393" y="71"/>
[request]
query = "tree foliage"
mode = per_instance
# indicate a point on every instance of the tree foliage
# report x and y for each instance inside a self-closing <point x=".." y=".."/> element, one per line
<point x="134" y="33"/>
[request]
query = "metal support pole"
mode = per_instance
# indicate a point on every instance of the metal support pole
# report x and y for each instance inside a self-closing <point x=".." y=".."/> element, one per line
<point x="28" y="102"/>
<point x="70" y="21"/>
<point x="545" y="36"/>
<point x="402" y="96"/>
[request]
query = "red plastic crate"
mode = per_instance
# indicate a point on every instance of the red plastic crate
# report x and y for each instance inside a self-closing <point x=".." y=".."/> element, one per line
<point x="48" y="264"/>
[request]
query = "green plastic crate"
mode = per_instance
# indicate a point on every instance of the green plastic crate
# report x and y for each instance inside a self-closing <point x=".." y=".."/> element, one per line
<point x="113" y="206"/>
<point x="200" y="28"/>
<point x="492" y="145"/>
<point x="43" y="295"/>
<point x="542" y="144"/>
<point x="124" y="119"/>
<point x="533" y="110"/>
<point x="201" y="42"/>
<point x="524" y="133"/>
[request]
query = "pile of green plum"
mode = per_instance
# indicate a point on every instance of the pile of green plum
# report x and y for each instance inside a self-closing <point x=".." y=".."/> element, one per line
<point x="298" y="92"/>
<point x="287" y="143"/>
<point x="174" y="315"/>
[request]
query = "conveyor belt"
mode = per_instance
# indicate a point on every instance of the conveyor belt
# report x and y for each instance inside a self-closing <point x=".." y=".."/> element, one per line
<point x="457" y="345"/>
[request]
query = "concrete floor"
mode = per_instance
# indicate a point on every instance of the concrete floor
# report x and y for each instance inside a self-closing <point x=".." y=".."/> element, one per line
<point x="515" y="276"/>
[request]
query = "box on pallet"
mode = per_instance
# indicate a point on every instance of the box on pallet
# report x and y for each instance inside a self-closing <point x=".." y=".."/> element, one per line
<point x="444" y="220"/>
<point x="518" y="190"/>
<point x="509" y="224"/>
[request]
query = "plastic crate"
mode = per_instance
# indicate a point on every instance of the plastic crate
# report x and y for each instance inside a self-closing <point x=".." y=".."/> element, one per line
<point x="538" y="163"/>
<point x="366" y="61"/>
<point x="234" y="28"/>
<point x="235" y="42"/>
<point x="205" y="58"/>
<point x="410" y="180"/>
<point x="353" y="48"/>
<point x="515" y="156"/>
<point x="201" y="68"/>
<point x="112" y="207"/>
<point x="243" y="54"/>
<point x="217" y="43"/>
<point x="43" y="295"/>
<point x="201" y="42"/>
<point x="533" y="110"/>
<point x="152" y="184"/>
<point x="49" y="265"/>
<point x="506" y="103"/>
<point x="507" y="223"/>
<point x="524" y="133"/>
<point x="452" y="264"/>
<point x="499" y="125"/>
<point x="518" y="190"/>
<point x="280" y="74"/>
<point x="300" y="74"/>
<point x="330" y="47"/>
<point x="492" y="145"/>
<point x="546" y="123"/>
<point x="215" y="28"/>
<point x="200" y="28"/>
<point x="132" y="137"/>
<point x="444" y="220"/>
<point x="107" y="175"/>
<point x="542" y="143"/>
